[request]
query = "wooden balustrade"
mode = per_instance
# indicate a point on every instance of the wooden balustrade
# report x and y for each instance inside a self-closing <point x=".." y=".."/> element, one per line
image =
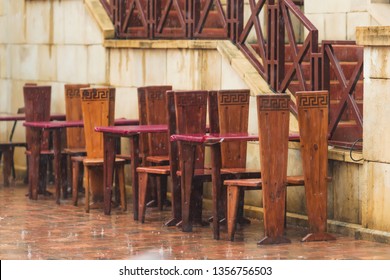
<point x="286" y="61"/>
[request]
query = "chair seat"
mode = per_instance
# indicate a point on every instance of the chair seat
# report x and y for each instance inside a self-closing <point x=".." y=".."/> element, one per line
<point x="12" y="144"/>
<point x="78" y="158"/>
<point x="127" y="158"/>
<point x="74" y="151"/>
<point x="202" y="174"/>
<point x="241" y="171"/>
<point x="295" y="180"/>
<point x="160" y="170"/>
<point x="256" y="183"/>
<point x="161" y="160"/>
<point x="100" y="161"/>
<point x="43" y="152"/>
<point x="252" y="183"/>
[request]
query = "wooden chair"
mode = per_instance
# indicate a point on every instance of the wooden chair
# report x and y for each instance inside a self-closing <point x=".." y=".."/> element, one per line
<point x="313" y="126"/>
<point x="198" y="116"/>
<point x="156" y="152"/>
<point x="7" y="149"/>
<point x="98" y="105"/>
<point x="229" y="113"/>
<point x="312" y="118"/>
<point x="273" y="123"/>
<point x="37" y="108"/>
<point x="75" y="140"/>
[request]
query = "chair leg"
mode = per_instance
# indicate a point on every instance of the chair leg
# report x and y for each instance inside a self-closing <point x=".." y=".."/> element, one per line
<point x="197" y="203"/>
<point x="75" y="178"/>
<point x="69" y="174"/>
<point x="13" y="163"/>
<point x="240" y="215"/>
<point x="143" y="179"/>
<point x="7" y="166"/>
<point x="42" y="174"/>
<point x="64" y="175"/>
<point x="232" y="209"/>
<point x="161" y="186"/>
<point x="116" y="190"/>
<point x="122" y="187"/>
<point x="27" y="171"/>
<point x="87" y="191"/>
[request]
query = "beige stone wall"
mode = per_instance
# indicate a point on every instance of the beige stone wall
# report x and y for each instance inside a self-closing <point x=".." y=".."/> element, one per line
<point x="376" y="127"/>
<point x="57" y="42"/>
<point x="337" y="20"/>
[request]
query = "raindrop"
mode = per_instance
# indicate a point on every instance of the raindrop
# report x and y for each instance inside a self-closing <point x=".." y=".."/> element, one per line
<point x="29" y="252"/>
<point x="23" y="234"/>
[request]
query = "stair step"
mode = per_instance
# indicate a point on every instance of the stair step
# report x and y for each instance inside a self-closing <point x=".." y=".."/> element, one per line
<point x="347" y="67"/>
<point x="346" y="132"/>
<point x="335" y="89"/>
<point x="344" y="53"/>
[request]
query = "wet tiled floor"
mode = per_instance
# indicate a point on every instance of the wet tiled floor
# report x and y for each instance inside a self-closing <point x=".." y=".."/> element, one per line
<point x="43" y="230"/>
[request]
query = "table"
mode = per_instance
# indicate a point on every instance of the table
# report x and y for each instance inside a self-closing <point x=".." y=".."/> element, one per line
<point x="110" y="133"/>
<point x="56" y="127"/>
<point x="15" y="118"/>
<point x="188" y="145"/>
<point x="22" y="117"/>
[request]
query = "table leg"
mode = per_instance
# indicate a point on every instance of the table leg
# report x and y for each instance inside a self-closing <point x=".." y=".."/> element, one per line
<point x="7" y="164"/>
<point x="57" y="163"/>
<point x="34" y="161"/>
<point x="187" y="159"/>
<point x="216" y="186"/>
<point x="176" y="189"/>
<point x="108" y="170"/>
<point x="134" y="164"/>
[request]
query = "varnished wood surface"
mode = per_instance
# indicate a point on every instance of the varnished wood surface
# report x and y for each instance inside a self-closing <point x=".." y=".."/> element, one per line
<point x="313" y="123"/>
<point x="98" y="106"/>
<point x="37" y="101"/>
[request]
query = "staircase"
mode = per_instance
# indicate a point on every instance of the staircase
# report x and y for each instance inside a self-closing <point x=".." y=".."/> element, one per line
<point x="304" y="64"/>
<point x="347" y="130"/>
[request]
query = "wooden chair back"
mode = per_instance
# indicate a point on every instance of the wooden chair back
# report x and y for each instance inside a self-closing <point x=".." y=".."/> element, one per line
<point x="98" y="107"/>
<point x="143" y="139"/>
<point x="74" y="136"/>
<point x="37" y="100"/>
<point x="313" y="129"/>
<point x="273" y="122"/>
<point x="229" y="113"/>
<point x="156" y="106"/>
<point x="191" y="111"/>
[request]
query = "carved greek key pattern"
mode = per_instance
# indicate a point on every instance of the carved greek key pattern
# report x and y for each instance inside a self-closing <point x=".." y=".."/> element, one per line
<point x="234" y="99"/>
<point x="273" y="103"/>
<point x="157" y="95"/>
<point x="188" y="99"/>
<point x="97" y="94"/>
<point x="317" y="100"/>
<point x="73" y="93"/>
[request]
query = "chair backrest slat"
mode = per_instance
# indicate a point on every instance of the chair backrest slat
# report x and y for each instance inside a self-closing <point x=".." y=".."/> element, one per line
<point x="273" y="122"/>
<point x="230" y="115"/>
<point x="156" y="105"/>
<point x="37" y="100"/>
<point x="75" y="135"/>
<point x="98" y="106"/>
<point x="313" y="129"/>
<point x="142" y="117"/>
<point x="191" y="111"/>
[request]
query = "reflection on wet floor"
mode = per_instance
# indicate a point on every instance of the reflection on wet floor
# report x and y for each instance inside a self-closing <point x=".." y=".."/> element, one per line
<point x="43" y="230"/>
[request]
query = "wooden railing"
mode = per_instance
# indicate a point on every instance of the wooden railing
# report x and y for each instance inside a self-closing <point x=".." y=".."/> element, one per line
<point x="286" y="60"/>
